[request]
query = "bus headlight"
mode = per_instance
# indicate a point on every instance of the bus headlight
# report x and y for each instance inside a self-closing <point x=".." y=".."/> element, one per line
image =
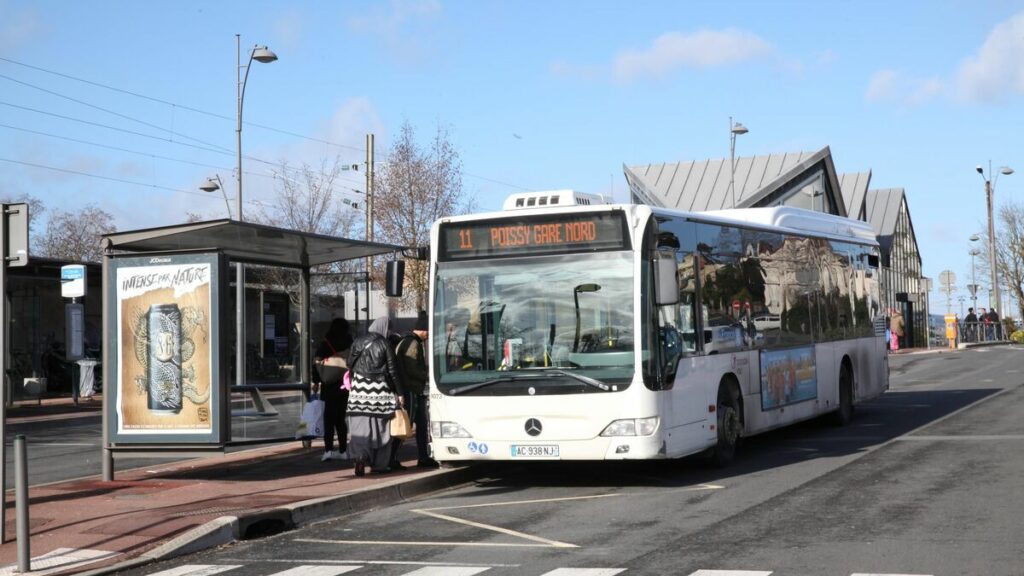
<point x="632" y="427"/>
<point x="448" y="430"/>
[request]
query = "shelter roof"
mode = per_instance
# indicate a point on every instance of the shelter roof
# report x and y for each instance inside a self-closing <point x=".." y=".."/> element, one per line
<point x="248" y="242"/>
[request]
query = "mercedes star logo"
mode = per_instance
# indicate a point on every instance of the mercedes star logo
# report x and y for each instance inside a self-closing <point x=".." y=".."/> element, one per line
<point x="533" y="427"/>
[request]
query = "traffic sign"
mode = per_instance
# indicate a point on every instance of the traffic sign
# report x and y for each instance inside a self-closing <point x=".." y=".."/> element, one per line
<point x="948" y="279"/>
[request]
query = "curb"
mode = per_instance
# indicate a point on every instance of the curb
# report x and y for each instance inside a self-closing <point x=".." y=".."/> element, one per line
<point x="228" y="529"/>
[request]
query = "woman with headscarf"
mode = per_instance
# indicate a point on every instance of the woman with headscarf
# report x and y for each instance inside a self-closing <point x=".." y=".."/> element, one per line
<point x="331" y="364"/>
<point x="376" y="391"/>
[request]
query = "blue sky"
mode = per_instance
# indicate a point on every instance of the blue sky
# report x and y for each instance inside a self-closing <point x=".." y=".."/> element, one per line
<point x="537" y="95"/>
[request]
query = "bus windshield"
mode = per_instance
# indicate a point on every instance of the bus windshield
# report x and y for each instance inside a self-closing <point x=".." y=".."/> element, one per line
<point x="539" y="325"/>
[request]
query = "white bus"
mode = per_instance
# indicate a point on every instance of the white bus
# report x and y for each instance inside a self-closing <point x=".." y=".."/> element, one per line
<point x="566" y="328"/>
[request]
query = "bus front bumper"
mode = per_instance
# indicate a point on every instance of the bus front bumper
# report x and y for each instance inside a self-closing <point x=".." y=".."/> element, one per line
<point x="600" y="448"/>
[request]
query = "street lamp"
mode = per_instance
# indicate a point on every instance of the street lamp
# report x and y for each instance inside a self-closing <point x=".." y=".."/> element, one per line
<point x="990" y="190"/>
<point x="735" y="129"/>
<point x="263" y="55"/>
<point x="212" y="185"/>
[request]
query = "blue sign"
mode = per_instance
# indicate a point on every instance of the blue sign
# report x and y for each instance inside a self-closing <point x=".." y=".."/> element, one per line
<point x="72" y="272"/>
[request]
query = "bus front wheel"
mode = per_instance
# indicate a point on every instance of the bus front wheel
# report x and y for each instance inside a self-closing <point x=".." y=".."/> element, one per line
<point x="729" y="425"/>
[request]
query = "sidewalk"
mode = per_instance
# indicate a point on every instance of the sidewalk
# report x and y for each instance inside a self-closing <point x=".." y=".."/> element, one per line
<point x="159" y="512"/>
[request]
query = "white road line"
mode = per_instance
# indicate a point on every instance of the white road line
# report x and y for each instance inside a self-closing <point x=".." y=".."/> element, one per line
<point x="879" y="574"/>
<point x="324" y="562"/>
<point x="59" y="560"/>
<point x="448" y="571"/>
<point x="962" y="437"/>
<point x="731" y="573"/>
<point x="585" y="572"/>
<point x="196" y="570"/>
<point x="316" y="570"/>
<point x="518" y="502"/>
<point x="499" y="529"/>
<point x="435" y="543"/>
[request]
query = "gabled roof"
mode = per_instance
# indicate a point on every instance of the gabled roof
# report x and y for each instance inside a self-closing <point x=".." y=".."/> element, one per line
<point x="883" y="212"/>
<point x="854" y="188"/>
<point x="701" y="186"/>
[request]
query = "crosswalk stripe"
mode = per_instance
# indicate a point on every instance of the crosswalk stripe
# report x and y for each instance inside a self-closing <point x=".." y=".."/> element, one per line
<point x="197" y="570"/>
<point x="731" y="573"/>
<point x="585" y="572"/>
<point x="316" y="570"/>
<point x="448" y="571"/>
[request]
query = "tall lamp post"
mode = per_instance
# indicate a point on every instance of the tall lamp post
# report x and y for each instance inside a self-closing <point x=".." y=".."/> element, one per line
<point x="974" y="282"/>
<point x="263" y="55"/>
<point x="735" y="129"/>
<point x="990" y="190"/>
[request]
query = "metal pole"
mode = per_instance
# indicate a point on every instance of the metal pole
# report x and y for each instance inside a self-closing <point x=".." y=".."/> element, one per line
<point x="4" y="390"/>
<point x="304" y="333"/>
<point x="112" y="380"/>
<point x="732" y="165"/>
<point x="239" y="271"/>
<point x="989" y="193"/>
<point x="21" y="504"/>
<point x="369" y="221"/>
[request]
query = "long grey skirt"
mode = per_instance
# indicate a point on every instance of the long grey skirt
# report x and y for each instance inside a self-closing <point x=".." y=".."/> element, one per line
<point x="371" y="440"/>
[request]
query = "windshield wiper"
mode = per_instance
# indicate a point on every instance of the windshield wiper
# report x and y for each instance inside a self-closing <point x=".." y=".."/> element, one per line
<point x="593" y="382"/>
<point x="533" y="375"/>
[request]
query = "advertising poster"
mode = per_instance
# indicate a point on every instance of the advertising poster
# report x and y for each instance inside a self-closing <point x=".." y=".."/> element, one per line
<point x="788" y="377"/>
<point x="166" y="348"/>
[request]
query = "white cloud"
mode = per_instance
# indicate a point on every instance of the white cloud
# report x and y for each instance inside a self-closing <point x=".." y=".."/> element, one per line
<point x="702" y="49"/>
<point x="895" y="87"/>
<point x="402" y="25"/>
<point x="18" y="27"/>
<point x="998" y="68"/>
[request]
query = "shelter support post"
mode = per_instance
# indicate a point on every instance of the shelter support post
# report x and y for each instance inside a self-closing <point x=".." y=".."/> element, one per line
<point x="107" y="457"/>
<point x="304" y="329"/>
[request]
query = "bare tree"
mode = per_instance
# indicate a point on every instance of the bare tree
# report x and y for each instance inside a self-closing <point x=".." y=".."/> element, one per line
<point x="309" y="200"/>
<point x="36" y="208"/>
<point x="76" y="235"/>
<point x="413" y="188"/>
<point x="1009" y="254"/>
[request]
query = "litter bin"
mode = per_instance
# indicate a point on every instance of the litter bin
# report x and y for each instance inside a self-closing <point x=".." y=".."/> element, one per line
<point x="86" y="387"/>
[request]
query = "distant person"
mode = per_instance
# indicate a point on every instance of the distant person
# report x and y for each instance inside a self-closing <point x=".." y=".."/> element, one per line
<point x="376" y="391"/>
<point x="993" y="320"/>
<point x="330" y="361"/>
<point x="970" y="325"/>
<point x="982" y="324"/>
<point x="896" y="326"/>
<point x="412" y="356"/>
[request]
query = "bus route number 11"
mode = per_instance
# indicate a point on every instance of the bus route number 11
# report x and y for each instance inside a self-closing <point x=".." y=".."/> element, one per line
<point x="465" y="240"/>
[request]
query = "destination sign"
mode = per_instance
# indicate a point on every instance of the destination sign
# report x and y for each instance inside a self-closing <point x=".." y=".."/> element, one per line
<point x="548" y="234"/>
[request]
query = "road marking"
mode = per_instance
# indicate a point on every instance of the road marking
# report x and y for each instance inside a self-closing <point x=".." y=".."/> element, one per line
<point x="963" y="437"/>
<point x="448" y="571"/>
<point x="385" y="562"/>
<point x="498" y="529"/>
<point x="196" y="570"/>
<point x="517" y="502"/>
<point x="731" y="573"/>
<point x="878" y="574"/>
<point x="316" y="570"/>
<point x="584" y="572"/>
<point x="59" y="560"/>
<point x="433" y="543"/>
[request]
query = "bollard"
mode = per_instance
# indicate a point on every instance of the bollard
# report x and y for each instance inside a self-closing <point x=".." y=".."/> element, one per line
<point x="21" y="503"/>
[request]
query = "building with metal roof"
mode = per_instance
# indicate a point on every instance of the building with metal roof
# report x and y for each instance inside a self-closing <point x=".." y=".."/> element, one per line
<point x="803" y="180"/>
<point x="799" y="179"/>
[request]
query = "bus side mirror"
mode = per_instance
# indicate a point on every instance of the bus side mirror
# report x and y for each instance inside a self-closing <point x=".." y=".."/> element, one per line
<point x="394" y="274"/>
<point x="666" y="281"/>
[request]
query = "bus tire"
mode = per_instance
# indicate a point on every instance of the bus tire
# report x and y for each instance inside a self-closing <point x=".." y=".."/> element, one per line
<point x="844" y="414"/>
<point x="729" y="425"/>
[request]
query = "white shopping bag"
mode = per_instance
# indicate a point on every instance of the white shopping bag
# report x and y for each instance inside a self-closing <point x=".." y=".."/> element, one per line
<point x="312" y="421"/>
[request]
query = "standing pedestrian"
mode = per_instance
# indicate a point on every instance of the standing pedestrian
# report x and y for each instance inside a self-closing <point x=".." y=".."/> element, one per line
<point x="970" y="325"/>
<point x="412" y="357"/>
<point x="376" y="391"/>
<point x="897" y="327"/>
<point x="982" y="324"/>
<point x="330" y="360"/>
<point x="993" y="319"/>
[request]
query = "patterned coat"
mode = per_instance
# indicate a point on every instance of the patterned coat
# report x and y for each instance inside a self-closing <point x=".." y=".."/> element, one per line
<point x="375" y="377"/>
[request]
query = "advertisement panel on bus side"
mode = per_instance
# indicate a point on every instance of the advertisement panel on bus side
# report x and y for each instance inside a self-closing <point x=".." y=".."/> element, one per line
<point x="787" y="377"/>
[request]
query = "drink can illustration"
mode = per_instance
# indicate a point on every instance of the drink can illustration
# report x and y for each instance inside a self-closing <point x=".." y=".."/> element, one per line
<point x="165" y="386"/>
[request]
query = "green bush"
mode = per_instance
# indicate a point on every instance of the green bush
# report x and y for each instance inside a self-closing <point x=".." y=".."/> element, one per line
<point x="1018" y="336"/>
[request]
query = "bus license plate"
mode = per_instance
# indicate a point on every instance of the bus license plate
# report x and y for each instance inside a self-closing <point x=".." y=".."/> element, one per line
<point x="535" y="451"/>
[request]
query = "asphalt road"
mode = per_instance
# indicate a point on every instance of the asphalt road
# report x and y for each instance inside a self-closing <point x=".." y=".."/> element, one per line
<point x="71" y="447"/>
<point x="925" y="481"/>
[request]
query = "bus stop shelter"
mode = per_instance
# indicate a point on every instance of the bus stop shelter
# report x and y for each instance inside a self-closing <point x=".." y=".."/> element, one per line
<point x="164" y="305"/>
